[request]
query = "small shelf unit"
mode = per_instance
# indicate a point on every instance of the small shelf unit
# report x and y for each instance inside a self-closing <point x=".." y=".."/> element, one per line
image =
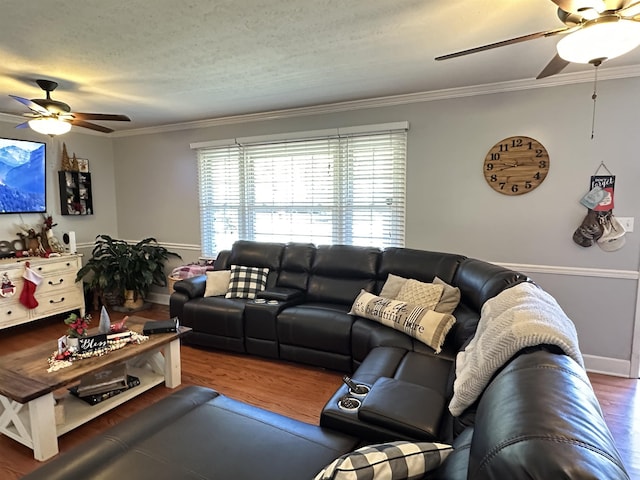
<point x="76" y="196"/>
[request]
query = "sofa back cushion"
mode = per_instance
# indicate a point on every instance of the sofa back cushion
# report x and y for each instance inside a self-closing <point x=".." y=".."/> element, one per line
<point x="222" y="260"/>
<point x="296" y="265"/>
<point x="417" y="264"/>
<point x="479" y="281"/>
<point x="247" y="253"/>
<point x="339" y="272"/>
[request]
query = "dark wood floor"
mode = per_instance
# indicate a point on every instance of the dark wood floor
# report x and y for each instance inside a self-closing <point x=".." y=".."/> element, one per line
<point x="293" y="390"/>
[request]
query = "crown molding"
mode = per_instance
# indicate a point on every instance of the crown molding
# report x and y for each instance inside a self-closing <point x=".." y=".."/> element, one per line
<point x="387" y="101"/>
<point x="393" y="100"/>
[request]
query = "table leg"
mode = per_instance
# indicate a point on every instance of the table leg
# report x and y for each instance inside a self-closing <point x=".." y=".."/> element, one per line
<point x="172" y="365"/>
<point x="43" y="427"/>
<point x="32" y="424"/>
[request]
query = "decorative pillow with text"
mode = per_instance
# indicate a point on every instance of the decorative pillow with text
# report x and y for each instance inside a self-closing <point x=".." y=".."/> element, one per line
<point x="417" y="321"/>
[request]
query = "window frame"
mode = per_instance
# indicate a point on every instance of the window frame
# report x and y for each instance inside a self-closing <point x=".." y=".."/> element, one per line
<point x="232" y="163"/>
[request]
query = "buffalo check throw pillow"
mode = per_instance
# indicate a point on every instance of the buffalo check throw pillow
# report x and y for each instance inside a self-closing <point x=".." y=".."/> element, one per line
<point x="387" y="461"/>
<point x="246" y="282"/>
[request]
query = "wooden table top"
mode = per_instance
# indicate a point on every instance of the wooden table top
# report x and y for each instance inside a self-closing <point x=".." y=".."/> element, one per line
<point x="24" y="376"/>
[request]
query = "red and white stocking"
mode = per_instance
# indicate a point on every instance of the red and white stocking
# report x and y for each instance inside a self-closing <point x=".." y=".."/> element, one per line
<point x="31" y="280"/>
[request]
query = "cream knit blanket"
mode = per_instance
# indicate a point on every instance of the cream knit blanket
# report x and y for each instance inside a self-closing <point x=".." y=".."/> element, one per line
<point x="521" y="316"/>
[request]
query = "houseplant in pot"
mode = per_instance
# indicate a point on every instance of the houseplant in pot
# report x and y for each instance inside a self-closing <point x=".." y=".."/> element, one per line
<point x="131" y="269"/>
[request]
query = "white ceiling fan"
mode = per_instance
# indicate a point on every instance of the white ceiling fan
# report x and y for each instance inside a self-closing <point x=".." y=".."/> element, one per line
<point x="595" y="31"/>
<point x="53" y="117"/>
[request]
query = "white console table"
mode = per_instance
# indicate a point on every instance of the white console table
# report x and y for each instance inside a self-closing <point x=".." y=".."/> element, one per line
<point x="57" y="293"/>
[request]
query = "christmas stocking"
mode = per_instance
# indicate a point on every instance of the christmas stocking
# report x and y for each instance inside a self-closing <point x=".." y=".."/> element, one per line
<point x="31" y="280"/>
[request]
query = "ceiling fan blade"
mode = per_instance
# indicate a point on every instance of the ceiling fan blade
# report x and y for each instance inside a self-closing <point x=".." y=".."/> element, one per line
<point x="630" y="11"/>
<point x="32" y="105"/>
<point x="524" y="38"/>
<point x="576" y="6"/>
<point x="90" y="126"/>
<point x="101" y="116"/>
<point x="23" y="125"/>
<point x="556" y="65"/>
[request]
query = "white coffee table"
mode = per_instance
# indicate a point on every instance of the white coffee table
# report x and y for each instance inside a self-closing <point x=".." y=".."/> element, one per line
<point x="27" y="403"/>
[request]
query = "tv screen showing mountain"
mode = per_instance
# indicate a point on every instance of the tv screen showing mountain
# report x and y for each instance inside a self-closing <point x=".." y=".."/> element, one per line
<point x="22" y="176"/>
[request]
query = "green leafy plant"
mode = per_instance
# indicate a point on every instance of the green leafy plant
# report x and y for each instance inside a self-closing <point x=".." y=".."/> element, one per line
<point x="116" y="265"/>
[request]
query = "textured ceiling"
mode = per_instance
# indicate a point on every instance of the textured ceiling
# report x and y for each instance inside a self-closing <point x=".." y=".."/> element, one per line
<point x="165" y="61"/>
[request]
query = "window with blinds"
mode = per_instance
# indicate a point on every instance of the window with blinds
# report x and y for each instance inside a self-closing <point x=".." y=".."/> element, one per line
<point x="338" y="188"/>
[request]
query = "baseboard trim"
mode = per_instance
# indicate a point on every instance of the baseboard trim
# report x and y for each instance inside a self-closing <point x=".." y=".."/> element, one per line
<point x="607" y="366"/>
<point x="159" y="298"/>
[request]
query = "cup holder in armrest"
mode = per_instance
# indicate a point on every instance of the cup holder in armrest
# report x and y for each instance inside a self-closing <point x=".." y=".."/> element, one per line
<point x="349" y="403"/>
<point x="362" y="390"/>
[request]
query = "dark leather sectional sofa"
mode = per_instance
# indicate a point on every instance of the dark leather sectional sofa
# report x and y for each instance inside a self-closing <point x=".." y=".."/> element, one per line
<point x="537" y="419"/>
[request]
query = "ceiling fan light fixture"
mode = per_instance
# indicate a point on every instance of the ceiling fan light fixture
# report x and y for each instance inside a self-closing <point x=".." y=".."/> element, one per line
<point x="604" y="38"/>
<point x="49" y="126"/>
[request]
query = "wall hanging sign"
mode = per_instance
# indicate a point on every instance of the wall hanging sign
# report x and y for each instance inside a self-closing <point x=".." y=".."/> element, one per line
<point x="607" y="184"/>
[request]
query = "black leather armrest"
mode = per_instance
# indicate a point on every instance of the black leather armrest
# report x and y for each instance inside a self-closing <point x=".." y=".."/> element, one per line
<point x="281" y="294"/>
<point x="542" y="406"/>
<point x="192" y="287"/>
<point x="405" y="407"/>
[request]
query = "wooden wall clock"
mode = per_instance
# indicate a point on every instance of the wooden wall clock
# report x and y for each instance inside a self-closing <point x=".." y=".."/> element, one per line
<point x="516" y="165"/>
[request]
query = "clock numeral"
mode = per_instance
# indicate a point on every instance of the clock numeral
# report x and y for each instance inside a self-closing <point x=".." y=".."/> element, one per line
<point x="527" y="184"/>
<point x="537" y="176"/>
<point x="516" y="142"/>
<point x="530" y="145"/>
<point x="502" y="184"/>
<point x="504" y="147"/>
<point x="542" y="164"/>
<point x="514" y="188"/>
<point x="539" y="153"/>
<point x="494" y="178"/>
<point x="489" y="166"/>
<point x="495" y="156"/>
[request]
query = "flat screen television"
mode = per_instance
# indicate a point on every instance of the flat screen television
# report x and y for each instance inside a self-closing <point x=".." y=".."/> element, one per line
<point x="22" y="176"/>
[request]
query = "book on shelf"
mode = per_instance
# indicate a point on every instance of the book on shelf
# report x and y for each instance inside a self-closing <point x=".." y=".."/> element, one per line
<point x="99" y="397"/>
<point x="104" y="380"/>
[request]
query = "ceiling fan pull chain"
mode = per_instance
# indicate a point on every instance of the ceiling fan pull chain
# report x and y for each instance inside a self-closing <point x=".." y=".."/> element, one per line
<point x="594" y="97"/>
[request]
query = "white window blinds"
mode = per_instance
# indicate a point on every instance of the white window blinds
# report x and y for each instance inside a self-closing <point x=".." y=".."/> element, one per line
<point x="342" y="188"/>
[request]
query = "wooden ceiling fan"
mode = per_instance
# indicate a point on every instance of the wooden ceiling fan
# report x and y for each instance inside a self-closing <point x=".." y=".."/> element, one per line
<point x="596" y="30"/>
<point x="47" y="110"/>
